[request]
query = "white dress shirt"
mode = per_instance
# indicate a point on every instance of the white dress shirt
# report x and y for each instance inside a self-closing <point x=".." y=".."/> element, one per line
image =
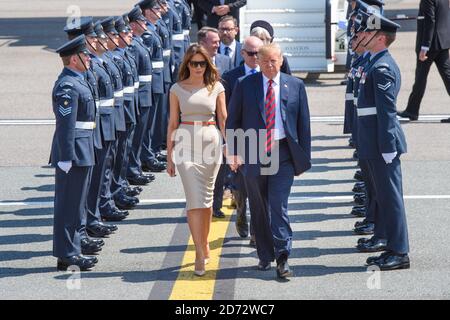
<point x="232" y="47"/>
<point x="279" y="127"/>
<point x="248" y="70"/>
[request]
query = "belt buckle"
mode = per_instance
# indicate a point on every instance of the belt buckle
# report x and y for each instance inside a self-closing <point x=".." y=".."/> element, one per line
<point x="198" y="123"/>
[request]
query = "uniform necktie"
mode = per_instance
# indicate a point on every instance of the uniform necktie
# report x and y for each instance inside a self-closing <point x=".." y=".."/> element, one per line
<point x="270" y="105"/>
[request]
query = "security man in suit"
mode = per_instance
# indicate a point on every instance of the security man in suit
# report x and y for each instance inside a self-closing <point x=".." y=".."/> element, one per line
<point x="381" y="142"/>
<point x="153" y="41"/>
<point x="215" y="9"/>
<point x="85" y="26"/>
<point x="229" y="46"/>
<point x="142" y="56"/>
<point x="432" y="45"/>
<point x="72" y="154"/>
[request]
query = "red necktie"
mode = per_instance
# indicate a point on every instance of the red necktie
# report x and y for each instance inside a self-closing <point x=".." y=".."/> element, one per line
<point x="270" y="104"/>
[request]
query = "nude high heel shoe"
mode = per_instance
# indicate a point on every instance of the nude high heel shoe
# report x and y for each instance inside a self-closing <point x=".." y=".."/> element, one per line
<point x="199" y="272"/>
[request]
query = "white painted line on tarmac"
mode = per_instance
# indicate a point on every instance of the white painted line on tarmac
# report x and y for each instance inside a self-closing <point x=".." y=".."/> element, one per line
<point x="162" y="201"/>
<point x="323" y="119"/>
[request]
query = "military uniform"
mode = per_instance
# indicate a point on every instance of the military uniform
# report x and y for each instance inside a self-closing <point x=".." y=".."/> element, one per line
<point x="73" y="157"/>
<point x="184" y="11"/>
<point x="142" y="55"/>
<point x="153" y="42"/>
<point x="381" y="142"/>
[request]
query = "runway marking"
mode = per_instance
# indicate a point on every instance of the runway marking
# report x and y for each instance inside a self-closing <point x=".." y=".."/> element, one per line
<point x="191" y="287"/>
<point x="320" y="119"/>
<point x="162" y="201"/>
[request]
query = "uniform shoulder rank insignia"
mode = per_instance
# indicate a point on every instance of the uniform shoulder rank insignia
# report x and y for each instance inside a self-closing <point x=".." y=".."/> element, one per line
<point x="66" y="84"/>
<point x="65" y="111"/>
<point x="384" y="87"/>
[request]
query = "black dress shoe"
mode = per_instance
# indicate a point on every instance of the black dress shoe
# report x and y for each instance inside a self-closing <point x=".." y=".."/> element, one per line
<point x="445" y="120"/>
<point x="360" y="200"/>
<point x="373" y="245"/>
<point x="88" y="247"/>
<point x="111" y="227"/>
<point x="406" y="114"/>
<point x="117" y="215"/>
<point x="124" y="204"/>
<point x="132" y="192"/>
<point x="242" y="229"/>
<point x="393" y="261"/>
<point x="138" y="181"/>
<point x="374" y="259"/>
<point x="263" y="266"/>
<point x="367" y="229"/>
<point x="361" y="223"/>
<point x="359" y="211"/>
<point x="218" y="214"/>
<point x="98" y="231"/>
<point x="358" y="175"/>
<point x="359" y="189"/>
<point x="98" y="242"/>
<point x="83" y="263"/>
<point x="283" y="270"/>
<point x="150" y="176"/>
<point x="161" y="157"/>
<point x="154" y="166"/>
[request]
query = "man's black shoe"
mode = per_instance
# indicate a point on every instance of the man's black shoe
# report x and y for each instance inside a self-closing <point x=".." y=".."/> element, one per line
<point x="406" y="114"/>
<point x="359" y="188"/>
<point x="445" y="120"/>
<point x="88" y="247"/>
<point x="393" y="261"/>
<point x="153" y="166"/>
<point x="138" y="181"/>
<point x="132" y="192"/>
<point x="374" y="259"/>
<point x="365" y="230"/>
<point x="116" y="215"/>
<point x="373" y="245"/>
<point x="98" y="231"/>
<point x="358" y="175"/>
<point x="161" y="157"/>
<point x="359" y="211"/>
<point x="83" y="263"/>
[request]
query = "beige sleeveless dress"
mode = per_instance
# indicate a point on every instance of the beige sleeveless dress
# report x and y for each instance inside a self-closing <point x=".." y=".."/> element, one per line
<point x="198" y="149"/>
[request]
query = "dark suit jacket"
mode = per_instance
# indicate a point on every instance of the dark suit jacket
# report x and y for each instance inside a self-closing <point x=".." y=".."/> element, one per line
<point x="212" y="18"/>
<point x="229" y="80"/>
<point x="433" y="25"/>
<point x="223" y="63"/>
<point x="237" y="58"/>
<point x="246" y="111"/>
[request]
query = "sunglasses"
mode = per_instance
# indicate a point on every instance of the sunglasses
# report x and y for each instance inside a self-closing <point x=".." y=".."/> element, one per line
<point x="196" y="64"/>
<point x="251" y="53"/>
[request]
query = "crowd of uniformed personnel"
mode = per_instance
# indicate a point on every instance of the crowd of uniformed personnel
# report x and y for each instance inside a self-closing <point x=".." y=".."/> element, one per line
<point x="373" y="84"/>
<point x="111" y="104"/>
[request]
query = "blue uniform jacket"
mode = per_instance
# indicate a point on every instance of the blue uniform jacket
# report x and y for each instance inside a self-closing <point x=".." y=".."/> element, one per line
<point x="143" y="60"/>
<point x="379" y="130"/>
<point x="152" y="41"/>
<point x="72" y="102"/>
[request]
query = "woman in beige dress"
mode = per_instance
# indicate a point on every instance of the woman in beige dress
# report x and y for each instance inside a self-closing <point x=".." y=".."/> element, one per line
<point x="194" y="146"/>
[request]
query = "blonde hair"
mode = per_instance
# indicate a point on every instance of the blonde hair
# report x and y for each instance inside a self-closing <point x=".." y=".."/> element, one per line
<point x="211" y="76"/>
<point x="268" y="48"/>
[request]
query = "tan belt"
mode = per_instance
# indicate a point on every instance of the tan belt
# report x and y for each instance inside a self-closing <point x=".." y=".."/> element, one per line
<point x="199" y="123"/>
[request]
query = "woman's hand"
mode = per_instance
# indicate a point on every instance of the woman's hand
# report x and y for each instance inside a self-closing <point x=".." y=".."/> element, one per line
<point x="171" y="170"/>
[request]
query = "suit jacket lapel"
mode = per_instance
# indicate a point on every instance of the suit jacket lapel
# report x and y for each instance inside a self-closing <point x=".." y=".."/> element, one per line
<point x="284" y="96"/>
<point x="259" y="94"/>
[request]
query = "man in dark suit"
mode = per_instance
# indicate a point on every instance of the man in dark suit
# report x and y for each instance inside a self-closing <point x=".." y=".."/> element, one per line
<point x="215" y="9"/>
<point x="209" y="38"/>
<point x="250" y="66"/>
<point x="229" y="46"/>
<point x="432" y="45"/>
<point x="274" y="145"/>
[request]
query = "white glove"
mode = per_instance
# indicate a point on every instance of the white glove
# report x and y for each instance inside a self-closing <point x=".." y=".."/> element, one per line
<point x="65" y="166"/>
<point x="388" y="157"/>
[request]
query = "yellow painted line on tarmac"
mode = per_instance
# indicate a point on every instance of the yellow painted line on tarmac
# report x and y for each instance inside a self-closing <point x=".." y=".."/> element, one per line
<point x="191" y="287"/>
